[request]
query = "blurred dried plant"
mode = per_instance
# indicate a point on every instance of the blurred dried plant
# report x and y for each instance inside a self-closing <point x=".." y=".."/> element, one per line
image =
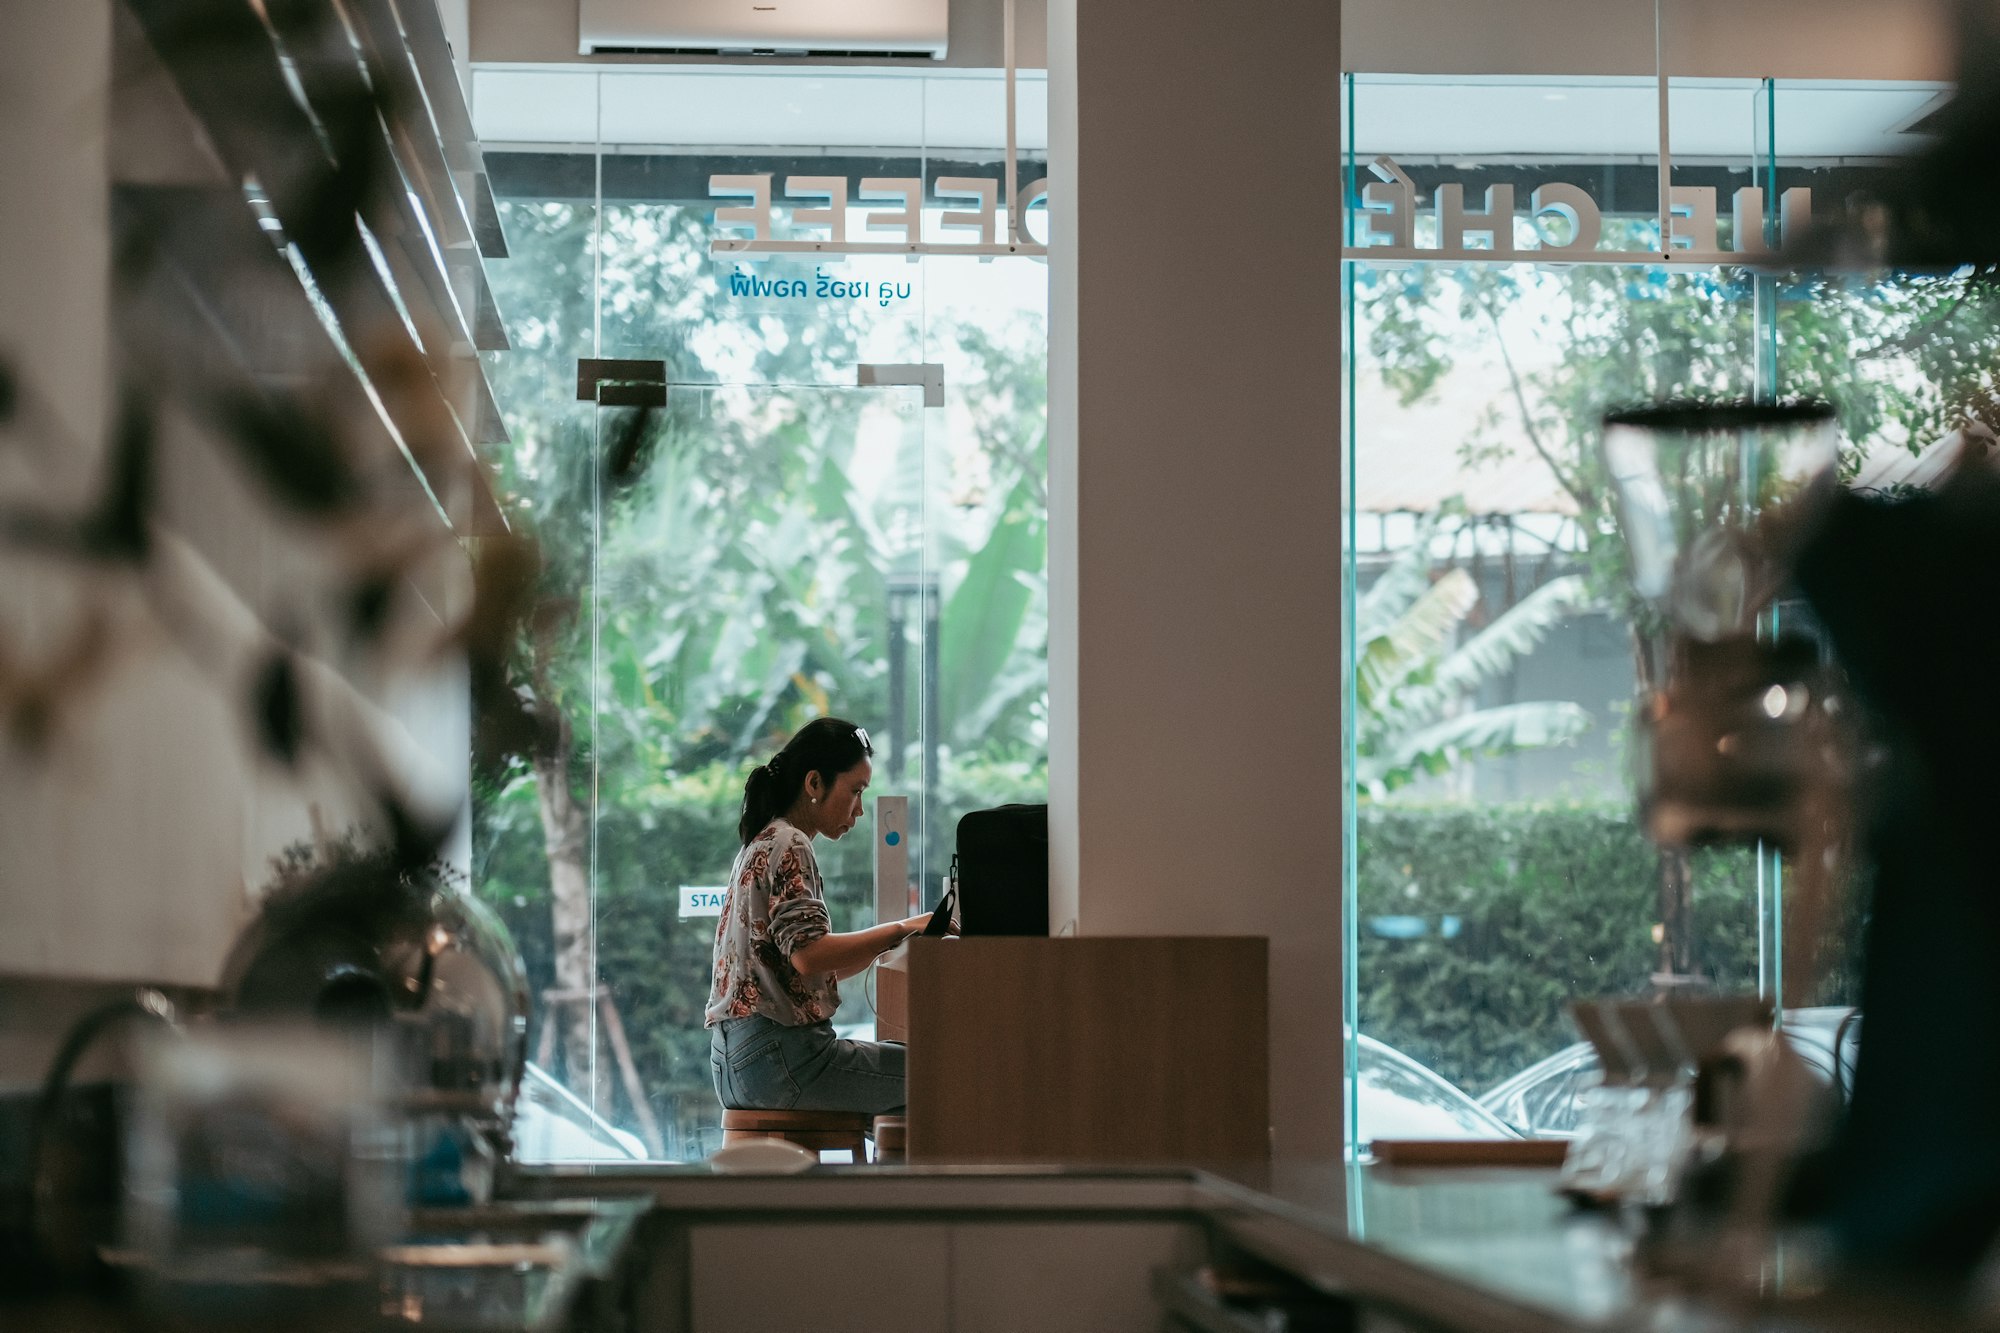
<point x="356" y="443"/>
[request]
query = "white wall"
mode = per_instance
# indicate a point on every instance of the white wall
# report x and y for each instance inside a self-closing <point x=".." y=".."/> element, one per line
<point x="1194" y="476"/>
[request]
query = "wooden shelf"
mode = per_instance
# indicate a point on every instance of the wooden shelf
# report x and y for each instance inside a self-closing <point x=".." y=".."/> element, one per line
<point x="430" y="50"/>
<point x="225" y="293"/>
<point x="276" y="102"/>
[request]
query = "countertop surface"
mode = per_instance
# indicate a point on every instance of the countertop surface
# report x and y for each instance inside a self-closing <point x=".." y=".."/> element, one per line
<point x="1494" y="1245"/>
<point x="1490" y="1248"/>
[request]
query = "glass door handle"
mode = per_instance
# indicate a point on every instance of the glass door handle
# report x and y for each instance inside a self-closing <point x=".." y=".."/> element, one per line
<point x="615" y="382"/>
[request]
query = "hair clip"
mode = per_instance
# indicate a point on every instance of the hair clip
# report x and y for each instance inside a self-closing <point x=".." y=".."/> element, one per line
<point x="861" y="734"/>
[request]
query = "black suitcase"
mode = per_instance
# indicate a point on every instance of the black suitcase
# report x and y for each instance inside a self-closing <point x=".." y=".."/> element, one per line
<point x="1003" y="871"/>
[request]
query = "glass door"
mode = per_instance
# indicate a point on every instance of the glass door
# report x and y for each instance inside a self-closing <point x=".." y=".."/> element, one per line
<point x="764" y="541"/>
<point x="758" y="558"/>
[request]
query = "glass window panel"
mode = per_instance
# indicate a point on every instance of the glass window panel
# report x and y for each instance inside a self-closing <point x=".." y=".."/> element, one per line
<point x="1500" y="877"/>
<point x="547" y="473"/>
<point x="987" y="326"/>
<point x="967" y="111"/>
<point x="1499" y="869"/>
<point x="741" y="588"/>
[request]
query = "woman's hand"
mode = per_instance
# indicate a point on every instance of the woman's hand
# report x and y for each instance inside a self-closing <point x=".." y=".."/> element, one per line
<point x="846" y="954"/>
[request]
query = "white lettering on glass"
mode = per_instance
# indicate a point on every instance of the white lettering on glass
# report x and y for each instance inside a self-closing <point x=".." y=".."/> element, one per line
<point x="984" y="220"/>
<point x="1389" y="205"/>
<point x="1495" y="219"/>
<point x="1695" y="204"/>
<point x="909" y="218"/>
<point x="757" y="216"/>
<point x="1746" y="219"/>
<point x="1794" y="213"/>
<point x="984" y="191"/>
<point x="1027" y="197"/>
<point x="1387" y="222"/>
<point x="1586" y="223"/>
<point x="833" y="217"/>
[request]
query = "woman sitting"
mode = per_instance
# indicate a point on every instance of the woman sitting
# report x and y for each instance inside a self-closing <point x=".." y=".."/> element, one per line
<point x="777" y="961"/>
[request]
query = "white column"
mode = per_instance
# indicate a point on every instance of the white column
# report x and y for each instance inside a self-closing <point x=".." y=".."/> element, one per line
<point x="1194" y="563"/>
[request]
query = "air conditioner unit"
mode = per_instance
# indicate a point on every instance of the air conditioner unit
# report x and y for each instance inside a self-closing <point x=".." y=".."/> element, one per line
<point x="759" y="27"/>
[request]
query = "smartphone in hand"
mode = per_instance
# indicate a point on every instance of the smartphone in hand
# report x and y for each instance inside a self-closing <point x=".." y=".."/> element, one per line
<point x="940" y="922"/>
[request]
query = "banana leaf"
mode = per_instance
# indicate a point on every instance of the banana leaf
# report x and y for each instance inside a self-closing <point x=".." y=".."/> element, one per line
<point x="1498" y="730"/>
<point x="983" y="618"/>
<point x="1494" y="649"/>
<point x="1398" y="586"/>
<point x="1416" y="636"/>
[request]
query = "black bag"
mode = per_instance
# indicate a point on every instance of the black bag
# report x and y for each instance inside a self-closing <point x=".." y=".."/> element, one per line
<point x="1003" y="871"/>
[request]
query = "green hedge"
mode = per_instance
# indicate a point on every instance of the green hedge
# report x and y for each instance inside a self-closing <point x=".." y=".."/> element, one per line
<point x="1551" y="904"/>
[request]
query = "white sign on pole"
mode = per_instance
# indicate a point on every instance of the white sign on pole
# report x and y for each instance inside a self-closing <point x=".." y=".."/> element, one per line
<point x="892" y="858"/>
<point x="704" y="901"/>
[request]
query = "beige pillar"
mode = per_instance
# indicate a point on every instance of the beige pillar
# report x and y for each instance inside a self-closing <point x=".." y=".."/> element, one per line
<point x="1194" y="390"/>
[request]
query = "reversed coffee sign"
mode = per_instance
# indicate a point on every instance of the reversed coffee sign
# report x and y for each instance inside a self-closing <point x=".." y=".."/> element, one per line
<point x="1566" y="223"/>
<point x="878" y="215"/>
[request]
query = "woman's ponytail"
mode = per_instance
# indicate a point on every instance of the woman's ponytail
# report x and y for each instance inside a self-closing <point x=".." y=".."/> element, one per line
<point x="828" y="746"/>
<point x="760" y="803"/>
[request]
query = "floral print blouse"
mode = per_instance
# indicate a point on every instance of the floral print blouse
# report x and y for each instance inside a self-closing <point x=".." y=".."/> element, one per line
<point x="775" y="906"/>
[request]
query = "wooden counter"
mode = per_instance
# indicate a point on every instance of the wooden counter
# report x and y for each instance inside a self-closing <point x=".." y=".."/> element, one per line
<point x="1148" y="1049"/>
<point x="892" y="995"/>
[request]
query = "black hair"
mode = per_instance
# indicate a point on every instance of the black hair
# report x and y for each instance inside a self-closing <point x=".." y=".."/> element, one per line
<point x="828" y="746"/>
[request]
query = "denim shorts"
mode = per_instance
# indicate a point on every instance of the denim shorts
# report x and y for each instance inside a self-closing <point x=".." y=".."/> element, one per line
<point x="761" y="1064"/>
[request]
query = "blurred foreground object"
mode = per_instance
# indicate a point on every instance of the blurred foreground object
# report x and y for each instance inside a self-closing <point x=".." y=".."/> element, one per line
<point x="1939" y="212"/>
<point x="76" y="1159"/>
<point x="369" y="943"/>
<point x="263" y="1178"/>
<point x="1641" y="1123"/>
<point x="1745" y="738"/>
<point x="1901" y="590"/>
<point x="1752" y="738"/>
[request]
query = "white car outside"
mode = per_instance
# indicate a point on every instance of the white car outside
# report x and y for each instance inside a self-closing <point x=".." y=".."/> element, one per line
<point x="553" y="1124"/>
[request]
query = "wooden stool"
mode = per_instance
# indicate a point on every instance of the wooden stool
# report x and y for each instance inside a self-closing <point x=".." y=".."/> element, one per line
<point x="812" y="1130"/>
<point x="888" y="1135"/>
